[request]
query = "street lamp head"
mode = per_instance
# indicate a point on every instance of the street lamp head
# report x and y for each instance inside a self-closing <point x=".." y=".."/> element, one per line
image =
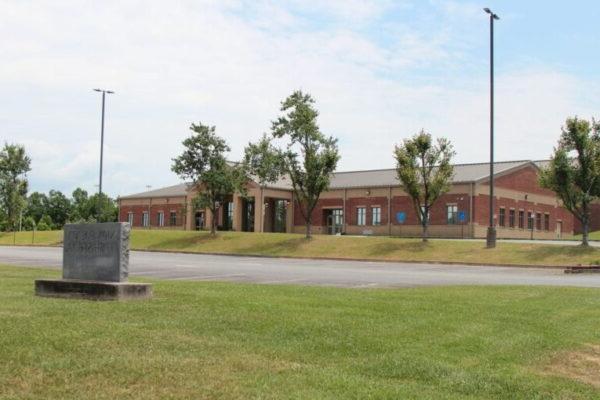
<point x="487" y="10"/>
<point x="104" y="91"/>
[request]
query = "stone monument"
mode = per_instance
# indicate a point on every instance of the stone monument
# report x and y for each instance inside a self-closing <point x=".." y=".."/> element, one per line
<point x="95" y="265"/>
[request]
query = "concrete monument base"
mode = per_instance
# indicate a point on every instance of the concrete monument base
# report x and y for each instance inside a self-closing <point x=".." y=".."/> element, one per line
<point x="92" y="290"/>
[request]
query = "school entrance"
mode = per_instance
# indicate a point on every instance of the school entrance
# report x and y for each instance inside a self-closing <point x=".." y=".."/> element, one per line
<point x="334" y="219"/>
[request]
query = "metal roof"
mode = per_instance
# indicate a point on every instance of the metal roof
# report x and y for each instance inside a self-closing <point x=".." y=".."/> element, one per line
<point x="169" y="191"/>
<point x="463" y="173"/>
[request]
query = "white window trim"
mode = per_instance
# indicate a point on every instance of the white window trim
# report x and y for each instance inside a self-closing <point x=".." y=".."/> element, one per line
<point x="372" y="220"/>
<point x="364" y="216"/>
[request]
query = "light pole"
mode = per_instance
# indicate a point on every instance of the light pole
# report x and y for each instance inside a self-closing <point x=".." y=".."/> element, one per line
<point x="491" y="231"/>
<point x="104" y="92"/>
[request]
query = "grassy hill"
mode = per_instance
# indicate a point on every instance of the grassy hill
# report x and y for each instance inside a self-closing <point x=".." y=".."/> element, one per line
<point x="345" y="247"/>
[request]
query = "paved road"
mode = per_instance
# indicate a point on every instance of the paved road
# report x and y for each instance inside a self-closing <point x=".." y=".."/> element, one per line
<point x="355" y="274"/>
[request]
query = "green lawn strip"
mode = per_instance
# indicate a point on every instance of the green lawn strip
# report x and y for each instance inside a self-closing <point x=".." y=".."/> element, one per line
<point x="345" y="247"/>
<point x="240" y="341"/>
<point x="592" y="236"/>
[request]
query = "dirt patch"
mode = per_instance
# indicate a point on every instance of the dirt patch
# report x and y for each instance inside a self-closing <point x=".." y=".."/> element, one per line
<point x="582" y="365"/>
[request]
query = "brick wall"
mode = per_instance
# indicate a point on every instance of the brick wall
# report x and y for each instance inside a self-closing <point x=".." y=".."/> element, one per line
<point x="138" y="211"/>
<point x="525" y="180"/>
<point x="317" y="214"/>
<point x="594" y="220"/>
<point x="481" y="212"/>
<point x="352" y="204"/>
<point x="438" y="213"/>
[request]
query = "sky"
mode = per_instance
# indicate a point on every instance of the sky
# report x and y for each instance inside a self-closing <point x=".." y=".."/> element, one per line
<point x="380" y="71"/>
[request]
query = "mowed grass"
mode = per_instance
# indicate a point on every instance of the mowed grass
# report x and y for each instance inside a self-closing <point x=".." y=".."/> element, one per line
<point x="346" y="247"/>
<point x="592" y="236"/>
<point x="201" y="340"/>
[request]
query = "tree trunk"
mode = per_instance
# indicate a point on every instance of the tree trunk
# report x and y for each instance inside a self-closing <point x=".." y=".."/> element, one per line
<point x="425" y="234"/>
<point x="586" y="229"/>
<point x="213" y="223"/>
<point x="308" y="230"/>
<point x="585" y="221"/>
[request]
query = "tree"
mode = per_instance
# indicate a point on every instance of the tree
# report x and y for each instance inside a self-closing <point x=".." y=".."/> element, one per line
<point x="310" y="157"/>
<point x="45" y="223"/>
<point x="29" y="223"/>
<point x="424" y="169"/>
<point x="101" y="208"/>
<point x="203" y="161"/>
<point x="58" y="207"/>
<point x="36" y="205"/>
<point x="14" y="165"/>
<point x="574" y="170"/>
<point x="80" y="205"/>
<point x="264" y="162"/>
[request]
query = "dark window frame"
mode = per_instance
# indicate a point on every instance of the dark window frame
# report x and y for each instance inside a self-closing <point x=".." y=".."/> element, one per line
<point x="502" y="217"/>
<point x="511" y="218"/>
<point x="521" y="219"/>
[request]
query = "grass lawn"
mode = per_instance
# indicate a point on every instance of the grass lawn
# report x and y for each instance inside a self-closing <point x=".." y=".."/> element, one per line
<point x="592" y="236"/>
<point x="374" y="248"/>
<point x="201" y="340"/>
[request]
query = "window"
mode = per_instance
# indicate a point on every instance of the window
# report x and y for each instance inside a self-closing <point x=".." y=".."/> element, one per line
<point x="511" y="218"/>
<point x="130" y="218"/>
<point x="501" y="217"/>
<point x="160" y="218"/>
<point x="452" y="214"/>
<point x="173" y="218"/>
<point x="361" y="216"/>
<point x="546" y="222"/>
<point x="229" y="221"/>
<point x="376" y="215"/>
<point x="145" y="219"/>
<point x="521" y="219"/>
<point x="538" y="221"/>
<point x="529" y="220"/>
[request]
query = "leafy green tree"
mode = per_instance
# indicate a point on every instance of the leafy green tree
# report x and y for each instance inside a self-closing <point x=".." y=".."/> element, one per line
<point x="574" y="170"/>
<point x="45" y="223"/>
<point x="203" y="161"/>
<point x="80" y="205"/>
<point x="102" y="208"/>
<point x="263" y="162"/>
<point x="29" y="223"/>
<point x="424" y="169"/>
<point x="36" y="205"/>
<point x="310" y="157"/>
<point x="14" y="165"/>
<point x="58" y="207"/>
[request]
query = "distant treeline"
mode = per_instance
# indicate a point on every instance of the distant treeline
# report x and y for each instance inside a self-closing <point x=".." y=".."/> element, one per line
<point x="54" y="210"/>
